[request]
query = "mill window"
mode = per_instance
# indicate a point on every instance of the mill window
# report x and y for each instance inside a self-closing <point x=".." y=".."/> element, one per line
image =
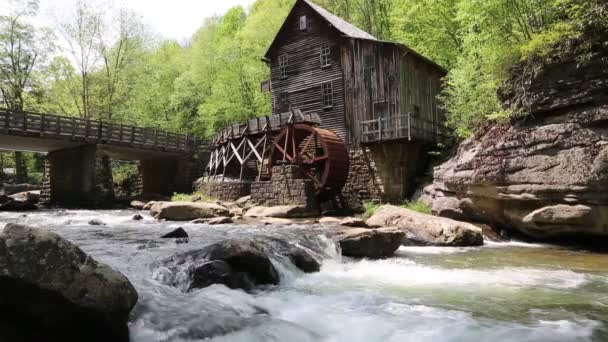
<point x="283" y="63"/>
<point x="328" y="94"/>
<point x="325" y="55"/>
<point x="303" y="23"/>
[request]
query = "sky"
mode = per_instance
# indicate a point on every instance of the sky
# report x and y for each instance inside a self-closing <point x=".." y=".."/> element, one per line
<point x="171" y="19"/>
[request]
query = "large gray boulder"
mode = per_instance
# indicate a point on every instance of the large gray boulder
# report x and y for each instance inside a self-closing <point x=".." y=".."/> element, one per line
<point x="52" y="291"/>
<point x="369" y="243"/>
<point x="235" y="263"/>
<point x="546" y="175"/>
<point x="187" y="211"/>
<point x="426" y="230"/>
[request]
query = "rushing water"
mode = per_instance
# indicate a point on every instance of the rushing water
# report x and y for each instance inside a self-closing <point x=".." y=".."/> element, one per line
<point x="499" y="292"/>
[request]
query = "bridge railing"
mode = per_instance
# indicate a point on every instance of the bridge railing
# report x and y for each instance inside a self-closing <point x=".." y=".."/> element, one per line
<point x="49" y="125"/>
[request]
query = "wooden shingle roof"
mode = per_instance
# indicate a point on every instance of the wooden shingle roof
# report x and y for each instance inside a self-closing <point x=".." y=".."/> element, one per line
<point x="340" y="24"/>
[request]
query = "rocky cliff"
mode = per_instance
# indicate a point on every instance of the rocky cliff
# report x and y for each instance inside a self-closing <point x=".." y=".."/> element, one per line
<point x="546" y="173"/>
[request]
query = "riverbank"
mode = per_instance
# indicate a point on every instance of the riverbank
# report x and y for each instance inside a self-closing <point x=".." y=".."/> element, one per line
<point x="503" y="291"/>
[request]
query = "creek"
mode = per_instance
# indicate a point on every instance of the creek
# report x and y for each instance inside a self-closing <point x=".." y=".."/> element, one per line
<point x="509" y="291"/>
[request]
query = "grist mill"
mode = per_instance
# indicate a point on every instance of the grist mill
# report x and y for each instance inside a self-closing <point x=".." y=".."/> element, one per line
<point x="352" y="119"/>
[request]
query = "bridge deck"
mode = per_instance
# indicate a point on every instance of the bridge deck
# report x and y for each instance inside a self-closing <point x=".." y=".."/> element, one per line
<point x="48" y="126"/>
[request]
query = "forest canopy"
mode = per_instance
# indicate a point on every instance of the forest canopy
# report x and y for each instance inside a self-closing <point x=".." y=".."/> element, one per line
<point x="108" y="65"/>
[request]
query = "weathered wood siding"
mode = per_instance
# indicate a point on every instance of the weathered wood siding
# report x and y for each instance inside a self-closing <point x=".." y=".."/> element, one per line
<point x="383" y="79"/>
<point x="304" y="72"/>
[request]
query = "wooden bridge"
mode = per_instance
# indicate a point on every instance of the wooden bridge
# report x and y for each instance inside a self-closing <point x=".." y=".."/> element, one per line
<point x="64" y="131"/>
<point x="77" y="168"/>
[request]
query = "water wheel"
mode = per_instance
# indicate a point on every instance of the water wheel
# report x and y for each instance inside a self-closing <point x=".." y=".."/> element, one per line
<point x="319" y="154"/>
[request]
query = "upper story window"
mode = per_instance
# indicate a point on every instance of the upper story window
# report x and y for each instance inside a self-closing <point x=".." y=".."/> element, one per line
<point x="325" y="55"/>
<point x="328" y="94"/>
<point x="303" y="23"/>
<point x="283" y="63"/>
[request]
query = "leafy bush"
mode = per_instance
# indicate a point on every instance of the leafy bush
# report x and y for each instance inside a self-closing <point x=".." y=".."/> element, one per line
<point x="418" y="206"/>
<point x="179" y="197"/>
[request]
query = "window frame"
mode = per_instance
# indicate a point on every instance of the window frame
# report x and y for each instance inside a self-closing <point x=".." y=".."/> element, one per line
<point x="303" y="23"/>
<point x="327" y="94"/>
<point x="283" y="65"/>
<point x="325" y="55"/>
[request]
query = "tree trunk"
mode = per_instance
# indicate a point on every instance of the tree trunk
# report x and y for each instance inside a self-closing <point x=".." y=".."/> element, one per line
<point x="20" y="168"/>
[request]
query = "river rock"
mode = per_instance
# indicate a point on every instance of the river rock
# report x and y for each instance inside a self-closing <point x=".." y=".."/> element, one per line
<point x="427" y="230"/>
<point x="370" y="243"/>
<point x="176" y="234"/>
<point x="281" y="211"/>
<point x="137" y="217"/>
<point x="53" y="291"/>
<point x="243" y="201"/>
<point x="245" y="258"/>
<point x="27" y="196"/>
<point x="354" y="222"/>
<point x="330" y="221"/>
<point x="545" y="174"/>
<point x="96" y="222"/>
<point x="186" y="211"/>
<point x="220" y="220"/>
<point x="10" y="189"/>
<point x="137" y="205"/>
<point x="8" y="203"/>
<point x="275" y="220"/>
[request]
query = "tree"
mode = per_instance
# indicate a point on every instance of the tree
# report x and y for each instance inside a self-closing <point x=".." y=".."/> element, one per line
<point x="118" y="53"/>
<point x="81" y="33"/>
<point x="22" y="48"/>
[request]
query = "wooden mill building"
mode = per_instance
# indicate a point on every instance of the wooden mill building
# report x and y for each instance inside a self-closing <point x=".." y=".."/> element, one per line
<point x="380" y="97"/>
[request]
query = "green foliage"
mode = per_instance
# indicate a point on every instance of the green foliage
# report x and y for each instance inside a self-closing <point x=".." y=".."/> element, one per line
<point x="124" y="75"/>
<point x="123" y="171"/>
<point x="418" y="206"/>
<point x="179" y="197"/>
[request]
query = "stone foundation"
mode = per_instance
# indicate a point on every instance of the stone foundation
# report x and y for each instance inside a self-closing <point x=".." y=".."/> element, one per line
<point x="227" y="191"/>
<point x="286" y="187"/>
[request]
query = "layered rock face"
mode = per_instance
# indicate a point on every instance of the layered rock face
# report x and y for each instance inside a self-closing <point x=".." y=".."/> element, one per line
<point x="545" y="175"/>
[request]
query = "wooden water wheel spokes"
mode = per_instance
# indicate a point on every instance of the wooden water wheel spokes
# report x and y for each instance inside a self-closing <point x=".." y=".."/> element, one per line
<point x="319" y="154"/>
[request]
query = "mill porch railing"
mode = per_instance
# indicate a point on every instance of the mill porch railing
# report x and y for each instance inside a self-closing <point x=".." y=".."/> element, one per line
<point x="400" y="127"/>
<point x="55" y="126"/>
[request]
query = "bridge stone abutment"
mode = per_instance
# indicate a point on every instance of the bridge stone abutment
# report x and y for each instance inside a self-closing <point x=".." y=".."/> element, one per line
<point x="78" y="177"/>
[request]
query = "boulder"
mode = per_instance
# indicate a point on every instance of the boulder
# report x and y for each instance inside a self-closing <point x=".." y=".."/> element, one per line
<point x="186" y="211"/>
<point x="303" y="260"/>
<point x="218" y="272"/>
<point x="148" y="205"/>
<point x="282" y="211"/>
<point x="243" y="201"/>
<point x="137" y="205"/>
<point x="137" y="217"/>
<point x="27" y="196"/>
<point x="53" y="291"/>
<point x="178" y="233"/>
<point x="274" y="220"/>
<point x="200" y="221"/>
<point x="236" y="211"/>
<point x="244" y="264"/>
<point x="96" y="222"/>
<point x="369" y="243"/>
<point x="220" y="220"/>
<point x="10" y="189"/>
<point x="8" y="203"/>
<point x="427" y="230"/>
<point x="545" y="174"/>
<point x="354" y="222"/>
<point x="330" y="221"/>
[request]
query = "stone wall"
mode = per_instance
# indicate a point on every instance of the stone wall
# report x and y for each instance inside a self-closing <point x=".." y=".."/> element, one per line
<point x="78" y="177"/>
<point x="383" y="172"/>
<point x="286" y="187"/>
<point x="226" y="191"/>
